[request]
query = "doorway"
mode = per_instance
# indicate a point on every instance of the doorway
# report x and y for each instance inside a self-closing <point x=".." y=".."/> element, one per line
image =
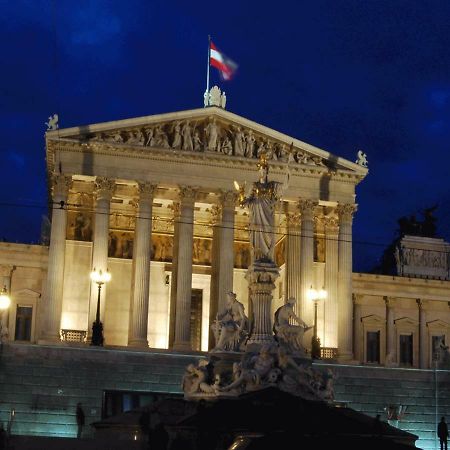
<point x="196" y="319"/>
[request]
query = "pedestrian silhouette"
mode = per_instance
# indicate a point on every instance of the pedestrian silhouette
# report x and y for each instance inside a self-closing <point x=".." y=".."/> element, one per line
<point x="442" y="432"/>
<point x="80" y="420"/>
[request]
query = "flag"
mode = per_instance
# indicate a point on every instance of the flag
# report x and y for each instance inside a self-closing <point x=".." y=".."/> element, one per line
<point x="217" y="59"/>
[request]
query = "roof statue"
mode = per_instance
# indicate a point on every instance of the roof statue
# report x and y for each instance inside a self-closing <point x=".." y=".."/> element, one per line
<point x="215" y="97"/>
<point x="362" y="159"/>
<point x="425" y="228"/>
<point x="52" y="123"/>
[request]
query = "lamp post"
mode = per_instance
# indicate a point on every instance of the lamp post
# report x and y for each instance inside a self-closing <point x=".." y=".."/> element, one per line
<point x="5" y="302"/>
<point x="316" y="295"/>
<point x="99" y="277"/>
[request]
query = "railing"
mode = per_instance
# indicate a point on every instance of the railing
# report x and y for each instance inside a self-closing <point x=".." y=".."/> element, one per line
<point x="74" y="336"/>
<point x="328" y="352"/>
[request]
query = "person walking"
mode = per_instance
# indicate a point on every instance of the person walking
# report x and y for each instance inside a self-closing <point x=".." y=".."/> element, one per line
<point x="442" y="432"/>
<point x="80" y="420"/>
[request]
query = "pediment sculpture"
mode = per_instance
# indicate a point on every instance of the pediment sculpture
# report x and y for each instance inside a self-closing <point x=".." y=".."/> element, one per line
<point x="209" y="135"/>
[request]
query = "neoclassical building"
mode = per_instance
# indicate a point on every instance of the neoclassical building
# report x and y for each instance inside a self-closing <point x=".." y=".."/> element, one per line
<point x="153" y="201"/>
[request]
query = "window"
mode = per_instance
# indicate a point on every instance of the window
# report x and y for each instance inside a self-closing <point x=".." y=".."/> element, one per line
<point x="435" y="346"/>
<point x="24" y="317"/>
<point x="196" y="319"/>
<point x="118" y="402"/>
<point x="406" y="349"/>
<point x="373" y="347"/>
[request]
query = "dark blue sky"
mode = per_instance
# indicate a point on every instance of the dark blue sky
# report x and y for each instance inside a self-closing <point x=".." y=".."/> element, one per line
<point x="341" y="75"/>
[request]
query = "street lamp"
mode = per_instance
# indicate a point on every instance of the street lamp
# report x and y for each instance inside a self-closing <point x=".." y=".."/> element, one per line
<point x="316" y="295"/>
<point x="99" y="277"/>
<point x="5" y="302"/>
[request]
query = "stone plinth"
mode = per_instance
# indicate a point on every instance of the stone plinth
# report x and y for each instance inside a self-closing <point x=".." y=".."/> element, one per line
<point x="261" y="277"/>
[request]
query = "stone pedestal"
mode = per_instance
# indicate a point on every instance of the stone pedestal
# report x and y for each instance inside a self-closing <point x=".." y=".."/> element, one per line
<point x="261" y="277"/>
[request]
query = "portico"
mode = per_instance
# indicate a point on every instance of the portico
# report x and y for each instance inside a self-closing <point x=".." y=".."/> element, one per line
<point x="157" y="207"/>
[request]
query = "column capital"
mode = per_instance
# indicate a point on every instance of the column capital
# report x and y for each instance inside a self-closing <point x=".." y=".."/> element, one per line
<point x="216" y="214"/>
<point x="293" y="219"/>
<point x="357" y="299"/>
<point x="187" y="194"/>
<point x="228" y="198"/>
<point x="61" y="184"/>
<point x="422" y="304"/>
<point x="175" y="207"/>
<point x="306" y="208"/>
<point x="104" y="188"/>
<point x="345" y="212"/>
<point x="389" y="301"/>
<point x="331" y="224"/>
<point x="146" y="190"/>
<point x="6" y="270"/>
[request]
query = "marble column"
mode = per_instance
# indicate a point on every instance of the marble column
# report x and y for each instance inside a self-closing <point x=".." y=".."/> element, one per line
<point x="103" y="192"/>
<point x="56" y="255"/>
<point x="215" y="270"/>
<point x="173" y="283"/>
<point x="226" y="260"/>
<point x="6" y="273"/>
<point x="306" y="208"/>
<point x="345" y="307"/>
<point x="331" y="284"/>
<point x="391" y="347"/>
<point x="137" y="336"/>
<point x="184" y="276"/>
<point x="292" y="258"/>
<point x="423" y="341"/>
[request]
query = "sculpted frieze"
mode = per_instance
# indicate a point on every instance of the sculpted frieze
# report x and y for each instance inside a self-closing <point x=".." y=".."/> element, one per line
<point x="209" y="135"/>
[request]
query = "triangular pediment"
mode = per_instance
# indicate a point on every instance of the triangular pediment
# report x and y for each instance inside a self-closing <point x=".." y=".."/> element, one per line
<point x="406" y="321"/>
<point x="27" y="293"/>
<point x="437" y="324"/>
<point x="207" y="131"/>
<point x="373" y="319"/>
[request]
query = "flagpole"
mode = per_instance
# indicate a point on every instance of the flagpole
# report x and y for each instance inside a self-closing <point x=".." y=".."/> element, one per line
<point x="207" y="71"/>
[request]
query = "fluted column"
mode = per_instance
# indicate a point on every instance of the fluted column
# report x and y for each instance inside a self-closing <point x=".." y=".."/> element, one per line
<point x="6" y="273"/>
<point x="173" y="284"/>
<point x="215" y="270"/>
<point x="184" y="276"/>
<point x="137" y="336"/>
<point x="55" y="272"/>
<point x="391" y="348"/>
<point x="345" y="307"/>
<point x="331" y="284"/>
<point x="306" y="208"/>
<point x="292" y="258"/>
<point x="226" y="260"/>
<point x="423" y="353"/>
<point x="103" y="191"/>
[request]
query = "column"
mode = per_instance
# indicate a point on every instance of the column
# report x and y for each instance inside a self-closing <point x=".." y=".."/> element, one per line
<point x="226" y="260"/>
<point x="56" y="255"/>
<point x="422" y="334"/>
<point x="215" y="258"/>
<point x="6" y="273"/>
<point x="345" y="306"/>
<point x="306" y="208"/>
<point x="103" y="191"/>
<point x="173" y="283"/>
<point x="391" y="347"/>
<point x="184" y="275"/>
<point x="292" y="257"/>
<point x="357" y="329"/>
<point x="331" y="285"/>
<point x="137" y="336"/>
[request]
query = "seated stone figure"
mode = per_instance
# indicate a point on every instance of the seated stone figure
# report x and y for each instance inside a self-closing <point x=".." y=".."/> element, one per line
<point x="288" y="335"/>
<point x="231" y="325"/>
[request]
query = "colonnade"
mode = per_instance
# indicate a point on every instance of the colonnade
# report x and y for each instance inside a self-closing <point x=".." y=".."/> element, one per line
<point x="299" y="261"/>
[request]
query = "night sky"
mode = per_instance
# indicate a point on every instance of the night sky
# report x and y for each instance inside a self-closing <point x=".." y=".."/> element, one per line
<point x="340" y="75"/>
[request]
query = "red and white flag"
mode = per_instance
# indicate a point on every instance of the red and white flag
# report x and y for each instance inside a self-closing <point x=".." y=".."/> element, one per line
<point x="217" y="59"/>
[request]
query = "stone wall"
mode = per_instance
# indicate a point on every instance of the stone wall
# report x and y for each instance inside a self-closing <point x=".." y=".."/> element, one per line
<point x="44" y="383"/>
